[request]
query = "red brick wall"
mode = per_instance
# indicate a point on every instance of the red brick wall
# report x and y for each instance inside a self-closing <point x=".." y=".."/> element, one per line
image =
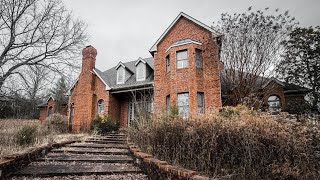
<point x="45" y="110"/>
<point x="274" y="89"/>
<point x="124" y="113"/>
<point x="190" y="79"/>
<point x="83" y="92"/>
<point x="43" y="114"/>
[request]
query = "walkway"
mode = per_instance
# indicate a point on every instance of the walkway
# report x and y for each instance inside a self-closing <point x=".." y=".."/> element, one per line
<point x="98" y="157"/>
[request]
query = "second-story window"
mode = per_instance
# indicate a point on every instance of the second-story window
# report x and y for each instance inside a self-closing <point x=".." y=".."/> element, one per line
<point x="198" y="58"/>
<point x="120" y="75"/>
<point x="141" y="72"/>
<point x="182" y="59"/>
<point x="168" y="63"/>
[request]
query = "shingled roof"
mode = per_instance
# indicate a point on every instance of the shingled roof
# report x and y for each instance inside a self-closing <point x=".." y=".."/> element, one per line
<point x="110" y="76"/>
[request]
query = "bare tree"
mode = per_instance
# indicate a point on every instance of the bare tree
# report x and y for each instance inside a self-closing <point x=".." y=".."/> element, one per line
<point x="34" y="84"/>
<point x="251" y="49"/>
<point x="37" y="33"/>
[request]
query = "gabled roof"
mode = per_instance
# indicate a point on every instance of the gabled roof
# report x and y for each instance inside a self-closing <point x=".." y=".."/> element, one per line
<point x="110" y="76"/>
<point x="120" y="64"/>
<point x="263" y="82"/>
<point x="182" y="14"/>
<point x="140" y="60"/>
<point x="100" y="76"/>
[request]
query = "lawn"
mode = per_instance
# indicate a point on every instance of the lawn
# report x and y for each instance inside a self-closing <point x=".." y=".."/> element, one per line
<point x="11" y="128"/>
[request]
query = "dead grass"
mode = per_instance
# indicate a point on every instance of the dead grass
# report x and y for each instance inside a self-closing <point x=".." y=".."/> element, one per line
<point x="10" y="127"/>
<point x="236" y="143"/>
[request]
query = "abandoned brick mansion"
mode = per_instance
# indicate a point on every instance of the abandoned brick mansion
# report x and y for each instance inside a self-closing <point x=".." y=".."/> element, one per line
<point x="184" y="71"/>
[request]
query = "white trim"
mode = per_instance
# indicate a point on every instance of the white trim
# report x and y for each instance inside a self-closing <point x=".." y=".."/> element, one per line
<point x="107" y="86"/>
<point x="140" y="60"/>
<point x="182" y="14"/>
<point x="120" y="64"/>
<point x="189" y="42"/>
<point x="50" y="98"/>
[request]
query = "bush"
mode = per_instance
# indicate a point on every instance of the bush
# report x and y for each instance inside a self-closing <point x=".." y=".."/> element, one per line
<point x="104" y="124"/>
<point x="236" y="143"/>
<point x="57" y="123"/>
<point x="26" y="135"/>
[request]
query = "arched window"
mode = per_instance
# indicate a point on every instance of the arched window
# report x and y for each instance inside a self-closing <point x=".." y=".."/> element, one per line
<point x="100" y="106"/>
<point x="274" y="103"/>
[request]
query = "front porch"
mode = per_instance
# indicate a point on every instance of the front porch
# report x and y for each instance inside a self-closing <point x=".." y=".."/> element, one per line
<point x="126" y="104"/>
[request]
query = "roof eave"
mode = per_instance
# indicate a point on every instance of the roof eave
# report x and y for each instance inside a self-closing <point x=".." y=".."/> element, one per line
<point x="107" y="86"/>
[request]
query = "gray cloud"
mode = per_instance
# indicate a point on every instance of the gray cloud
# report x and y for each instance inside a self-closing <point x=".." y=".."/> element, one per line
<point x="125" y="30"/>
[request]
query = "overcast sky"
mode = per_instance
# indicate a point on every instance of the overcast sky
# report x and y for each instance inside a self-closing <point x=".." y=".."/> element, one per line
<point x="126" y="29"/>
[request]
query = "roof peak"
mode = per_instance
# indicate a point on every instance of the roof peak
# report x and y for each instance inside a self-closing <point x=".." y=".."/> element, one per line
<point x="182" y="14"/>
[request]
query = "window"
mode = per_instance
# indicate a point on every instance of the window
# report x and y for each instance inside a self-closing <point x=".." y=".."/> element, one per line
<point x="183" y="104"/>
<point x="274" y="103"/>
<point x="182" y="59"/>
<point x="168" y="63"/>
<point x="168" y="103"/>
<point x="198" y="58"/>
<point x="120" y="75"/>
<point x="50" y="111"/>
<point x="141" y="72"/>
<point x="100" y="106"/>
<point x="200" y="102"/>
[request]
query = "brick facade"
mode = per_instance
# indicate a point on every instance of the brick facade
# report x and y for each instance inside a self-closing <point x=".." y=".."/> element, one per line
<point x="190" y="79"/>
<point x="93" y="85"/>
<point x="44" y="110"/>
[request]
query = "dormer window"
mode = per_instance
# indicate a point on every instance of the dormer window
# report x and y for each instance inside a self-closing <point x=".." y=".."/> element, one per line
<point x="120" y="75"/>
<point x="141" y="72"/>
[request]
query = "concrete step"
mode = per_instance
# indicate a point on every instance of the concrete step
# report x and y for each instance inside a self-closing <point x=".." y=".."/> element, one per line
<point x="86" y="158"/>
<point x="75" y="150"/>
<point x="76" y="169"/>
<point x="105" y="141"/>
<point x="94" y="145"/>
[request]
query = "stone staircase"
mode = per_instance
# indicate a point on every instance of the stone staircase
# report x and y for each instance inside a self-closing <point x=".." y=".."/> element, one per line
<point x="98" y="157"/>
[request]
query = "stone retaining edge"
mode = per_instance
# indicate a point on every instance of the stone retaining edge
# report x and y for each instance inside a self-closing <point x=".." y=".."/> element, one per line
<point x="13" y="162"/>
<point x="162" y="168"/>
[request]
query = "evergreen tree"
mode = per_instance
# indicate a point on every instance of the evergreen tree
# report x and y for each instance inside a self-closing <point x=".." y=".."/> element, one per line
<point x="59" y="94"/>
<point x="301" y="64"/>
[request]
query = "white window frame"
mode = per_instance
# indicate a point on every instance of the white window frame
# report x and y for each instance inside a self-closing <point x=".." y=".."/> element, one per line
<point x="184" y="61"/>
<point x="274" y="103"/>
<point x="100" y="106"/>
<point x="183" y="107"/>
<point x="123" y="75"/>
<point x="143" y="66"/>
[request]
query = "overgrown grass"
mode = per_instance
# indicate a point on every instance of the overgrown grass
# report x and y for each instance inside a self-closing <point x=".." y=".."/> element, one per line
<point x="17" y="135"/>
<point x="236" y="143"/>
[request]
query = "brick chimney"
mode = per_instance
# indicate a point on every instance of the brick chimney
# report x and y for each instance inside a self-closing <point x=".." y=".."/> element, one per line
<point x="84" y="96"/>
<point x="89" y="54"/>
